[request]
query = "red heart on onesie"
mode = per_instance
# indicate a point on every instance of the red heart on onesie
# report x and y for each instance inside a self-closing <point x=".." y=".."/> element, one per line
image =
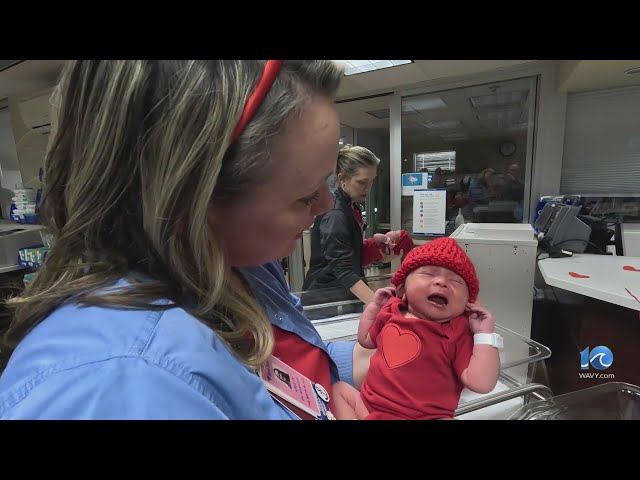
<point x="399" y="347"/>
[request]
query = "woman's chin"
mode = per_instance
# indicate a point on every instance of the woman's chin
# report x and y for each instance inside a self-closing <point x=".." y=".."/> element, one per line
<point x="290" y="247"/>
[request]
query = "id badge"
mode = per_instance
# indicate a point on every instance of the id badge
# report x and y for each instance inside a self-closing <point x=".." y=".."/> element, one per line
<point x="286" y="383"/>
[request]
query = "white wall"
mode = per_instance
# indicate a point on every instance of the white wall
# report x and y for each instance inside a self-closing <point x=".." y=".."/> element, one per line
<point x="30" y="145"/>
<point x="549" y="141"/>
<point x="9" y="168"/>
<point x="8" y="154"/>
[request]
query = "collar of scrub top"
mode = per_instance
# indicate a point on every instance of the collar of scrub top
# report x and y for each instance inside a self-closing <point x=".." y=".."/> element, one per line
<point x="271" y="70"/>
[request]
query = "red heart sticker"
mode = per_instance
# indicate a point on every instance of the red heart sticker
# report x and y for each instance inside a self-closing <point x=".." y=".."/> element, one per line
<point x="577" y="275"/>
<point x="630" y="268"/>
<point x="399" y="347"/>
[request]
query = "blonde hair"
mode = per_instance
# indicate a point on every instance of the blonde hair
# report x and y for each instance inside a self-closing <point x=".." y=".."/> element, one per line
<point x="353" y="158"/>
<point x="139" y="156"/>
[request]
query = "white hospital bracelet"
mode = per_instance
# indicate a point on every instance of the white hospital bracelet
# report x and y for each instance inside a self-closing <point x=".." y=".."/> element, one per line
<point x="492" y="339"/>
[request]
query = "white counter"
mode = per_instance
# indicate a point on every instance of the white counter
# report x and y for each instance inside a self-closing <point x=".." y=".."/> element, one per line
<point x="607" y="279"/>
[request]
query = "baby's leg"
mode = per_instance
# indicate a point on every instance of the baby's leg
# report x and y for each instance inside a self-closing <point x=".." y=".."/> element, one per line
<point x="361" y="409"/>
<point x="347" y="402"/>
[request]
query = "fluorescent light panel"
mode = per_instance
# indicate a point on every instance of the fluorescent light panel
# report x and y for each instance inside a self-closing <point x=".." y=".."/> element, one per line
<point x="442" y="124"/>
<point x="499" y="98"/>
<point x="361" y="66"/>
<point x="513" y="115"/>
<point x="384" y="112"/>
<point x="423" y="103"/>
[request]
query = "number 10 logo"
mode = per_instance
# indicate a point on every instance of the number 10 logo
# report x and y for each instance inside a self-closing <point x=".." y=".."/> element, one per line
<point x="600" y="357"/>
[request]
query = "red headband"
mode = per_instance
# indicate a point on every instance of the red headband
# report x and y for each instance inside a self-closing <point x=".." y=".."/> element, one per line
<point x="271" y="70"/>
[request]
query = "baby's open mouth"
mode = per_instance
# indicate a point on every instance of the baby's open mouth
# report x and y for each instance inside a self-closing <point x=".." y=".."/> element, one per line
<point x="438" y="299"/>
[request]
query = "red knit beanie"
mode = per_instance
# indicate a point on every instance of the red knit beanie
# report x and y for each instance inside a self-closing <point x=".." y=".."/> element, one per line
<point x="442" y="252"/>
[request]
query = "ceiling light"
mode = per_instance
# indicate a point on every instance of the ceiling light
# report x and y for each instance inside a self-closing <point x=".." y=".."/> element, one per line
<point x="353" y="67"/>
<point x="423" y="103"/>
<point x="499" y="98"/>
<point x="384" y="112"/>
<point x="381" y="114"/>
<point x="443" y="124"/>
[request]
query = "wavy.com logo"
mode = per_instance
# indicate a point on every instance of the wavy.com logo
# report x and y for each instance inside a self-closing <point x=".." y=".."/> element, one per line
<point x="599" y="358"/>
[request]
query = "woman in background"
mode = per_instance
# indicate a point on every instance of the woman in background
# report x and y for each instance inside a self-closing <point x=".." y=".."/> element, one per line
<point x="339" y="251"/>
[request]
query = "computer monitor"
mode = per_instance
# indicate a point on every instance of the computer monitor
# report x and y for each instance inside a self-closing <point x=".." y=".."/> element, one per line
<point x="565" y="230"/>
<point x="546" y="217"/>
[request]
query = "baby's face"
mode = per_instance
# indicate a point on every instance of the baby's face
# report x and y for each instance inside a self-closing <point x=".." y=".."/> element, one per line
<point x="436" y="293"/>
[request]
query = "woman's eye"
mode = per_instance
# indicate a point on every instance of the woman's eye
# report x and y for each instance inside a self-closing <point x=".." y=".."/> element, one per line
<point x="309" y="200"/>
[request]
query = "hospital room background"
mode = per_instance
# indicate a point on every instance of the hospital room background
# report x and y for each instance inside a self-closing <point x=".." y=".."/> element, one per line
<point x="533" y="166"/>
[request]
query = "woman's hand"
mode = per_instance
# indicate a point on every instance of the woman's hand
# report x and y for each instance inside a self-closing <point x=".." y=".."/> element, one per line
<point x="386" y="243"/>
<point x="385" y="247"/>
<point x="394" y="236"/>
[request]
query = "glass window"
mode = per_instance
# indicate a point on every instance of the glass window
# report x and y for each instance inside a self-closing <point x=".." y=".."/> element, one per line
<point x="475" y="143"/>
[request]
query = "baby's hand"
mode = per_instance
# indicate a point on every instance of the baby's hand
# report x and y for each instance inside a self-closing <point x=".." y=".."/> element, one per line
<point x="382" y="295"/>
<point x="480" y="319"/>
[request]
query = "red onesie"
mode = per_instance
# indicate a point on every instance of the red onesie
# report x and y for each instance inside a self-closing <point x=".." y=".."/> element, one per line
<point x="415" y="372"/>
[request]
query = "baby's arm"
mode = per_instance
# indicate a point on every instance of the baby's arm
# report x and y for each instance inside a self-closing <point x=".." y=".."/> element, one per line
<point x="481" y="376"/>
<point x="369" y="315"/>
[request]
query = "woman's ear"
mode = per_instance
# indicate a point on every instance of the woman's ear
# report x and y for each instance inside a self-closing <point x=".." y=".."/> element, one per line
<point x="341" y="177"/>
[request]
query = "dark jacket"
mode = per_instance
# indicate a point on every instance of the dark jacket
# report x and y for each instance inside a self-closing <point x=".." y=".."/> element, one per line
<point x="336" y="248"/>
